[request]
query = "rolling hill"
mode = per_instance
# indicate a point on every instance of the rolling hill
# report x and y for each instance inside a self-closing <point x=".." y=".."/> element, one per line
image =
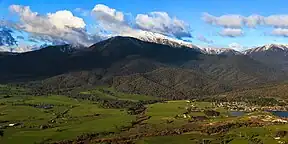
<point x="136" y="66"/>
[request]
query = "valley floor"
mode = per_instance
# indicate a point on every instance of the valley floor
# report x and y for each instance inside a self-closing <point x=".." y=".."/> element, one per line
<point x="28" y="119"/>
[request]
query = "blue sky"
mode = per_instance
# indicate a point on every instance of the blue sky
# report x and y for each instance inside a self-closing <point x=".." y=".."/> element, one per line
<point x="221" y="31"/>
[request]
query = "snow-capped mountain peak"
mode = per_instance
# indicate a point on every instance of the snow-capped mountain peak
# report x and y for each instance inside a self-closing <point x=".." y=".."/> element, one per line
<point x="217" y="51"/>
<point x="160" y="39"/>
<point x="279" y="46"/>
<point x="268" y="47"/>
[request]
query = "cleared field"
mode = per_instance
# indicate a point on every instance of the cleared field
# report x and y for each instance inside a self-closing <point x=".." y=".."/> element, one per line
<point x="111" y="93"/>
<point x="180" y="139"/>
<point x="67" y="119"/>
<point x="53" y="118"/>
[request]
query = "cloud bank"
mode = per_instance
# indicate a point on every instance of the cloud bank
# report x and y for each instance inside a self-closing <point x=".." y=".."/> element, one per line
<point x="161" y="22"/>
<point x="231" y="32"/>
<point x="61" y="26"/>
<point x="233" y="24"/>
<point x="157" y="22"/>
<point x="236" y="46"/>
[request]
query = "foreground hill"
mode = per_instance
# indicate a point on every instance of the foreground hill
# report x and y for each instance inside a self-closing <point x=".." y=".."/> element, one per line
<point x="175" y="83"/>
<point x="135" y="66"/>
<point x="270" y="90"/>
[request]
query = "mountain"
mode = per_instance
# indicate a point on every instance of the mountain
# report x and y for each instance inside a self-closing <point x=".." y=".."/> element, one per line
<point x="165" y="40"/>
<point x="136" y="66"/>
<point x="54" y="60"/>
<point x="268" y="47"/>
<point x="7" y="53"/>
<point x="161" y="39"/>
<point x="220" y="51"/>
<point x="275" y="55"/>
<point x="272" y="54"/>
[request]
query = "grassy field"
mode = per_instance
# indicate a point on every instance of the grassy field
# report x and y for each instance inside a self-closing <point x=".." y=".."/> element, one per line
<point x="54" y="118"/>
<point x="180" y="139"/>
<point x="111" y="93"/>
<point x="70" y="117"/>
<point x="244" y="135"/>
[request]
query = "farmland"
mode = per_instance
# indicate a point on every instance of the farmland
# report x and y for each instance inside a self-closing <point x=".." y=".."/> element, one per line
<point x="64" y="119"/>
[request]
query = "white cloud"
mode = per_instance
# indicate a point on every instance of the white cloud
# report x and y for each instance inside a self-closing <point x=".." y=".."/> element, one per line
<point x="280" y="32"/>
<point x="230" y="21"/>
<point x="231" y="32"/>
<point x="59" y="26"/>
<point x="253" y="20"/>
<point x="111" y="20"/>
<point x="233" y="20"/>
<point x="236" y="46"/>
<point x="105" y="13"/>
<point x="118" y="22"/>
<point x="161" y="22"/>
<point x="64" y="19"/>
<point x="277" y="21"/>
<point x="4" y="49"/>
<point x="63" y="27"/>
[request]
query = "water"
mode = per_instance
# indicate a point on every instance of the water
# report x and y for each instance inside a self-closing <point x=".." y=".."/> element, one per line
<point x="280" y="113"/>
<point x="236" y="113"/>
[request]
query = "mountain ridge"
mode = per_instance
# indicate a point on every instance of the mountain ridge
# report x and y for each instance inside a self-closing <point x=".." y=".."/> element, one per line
<point x="136" y="66"/>
<point x="165" y="40"/>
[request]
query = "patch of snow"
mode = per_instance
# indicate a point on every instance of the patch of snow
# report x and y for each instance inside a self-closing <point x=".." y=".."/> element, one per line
<point x="283" y="47"/>
<point x="221" y="51"/>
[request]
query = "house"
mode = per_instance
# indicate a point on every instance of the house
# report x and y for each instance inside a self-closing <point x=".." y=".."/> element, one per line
<point x="277" y="138"/>
<point x="13" y="124"/>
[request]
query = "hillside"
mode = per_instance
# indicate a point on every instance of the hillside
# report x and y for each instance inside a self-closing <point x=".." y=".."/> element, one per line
<point x="52" y="61"/>
<point x="136" y="66"/>
<point x="273" y="54"/>
<point x="270" y="91"/>
<point x="238" y="69"/>
<point x="172" y="83"/>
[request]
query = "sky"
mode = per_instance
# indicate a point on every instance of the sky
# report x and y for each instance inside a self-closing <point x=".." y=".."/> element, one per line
<point x="237" y="24"/>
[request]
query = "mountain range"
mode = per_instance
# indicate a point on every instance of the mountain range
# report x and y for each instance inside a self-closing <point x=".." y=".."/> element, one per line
<point x="272" y="54"/>
<point x="161" y="68"/>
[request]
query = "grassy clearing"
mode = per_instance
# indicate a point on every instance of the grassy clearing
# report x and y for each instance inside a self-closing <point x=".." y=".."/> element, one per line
<point x="111" y="93"/>
<point x="266" y="134"/>
<point x="179" y="139"/>
<point x="160" y="112"/>
<point x="71" y="118"/>
<point x="243" y="135"/>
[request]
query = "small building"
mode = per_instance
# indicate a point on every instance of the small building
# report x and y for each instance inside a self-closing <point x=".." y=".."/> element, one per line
<point x="13" y="124"/>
